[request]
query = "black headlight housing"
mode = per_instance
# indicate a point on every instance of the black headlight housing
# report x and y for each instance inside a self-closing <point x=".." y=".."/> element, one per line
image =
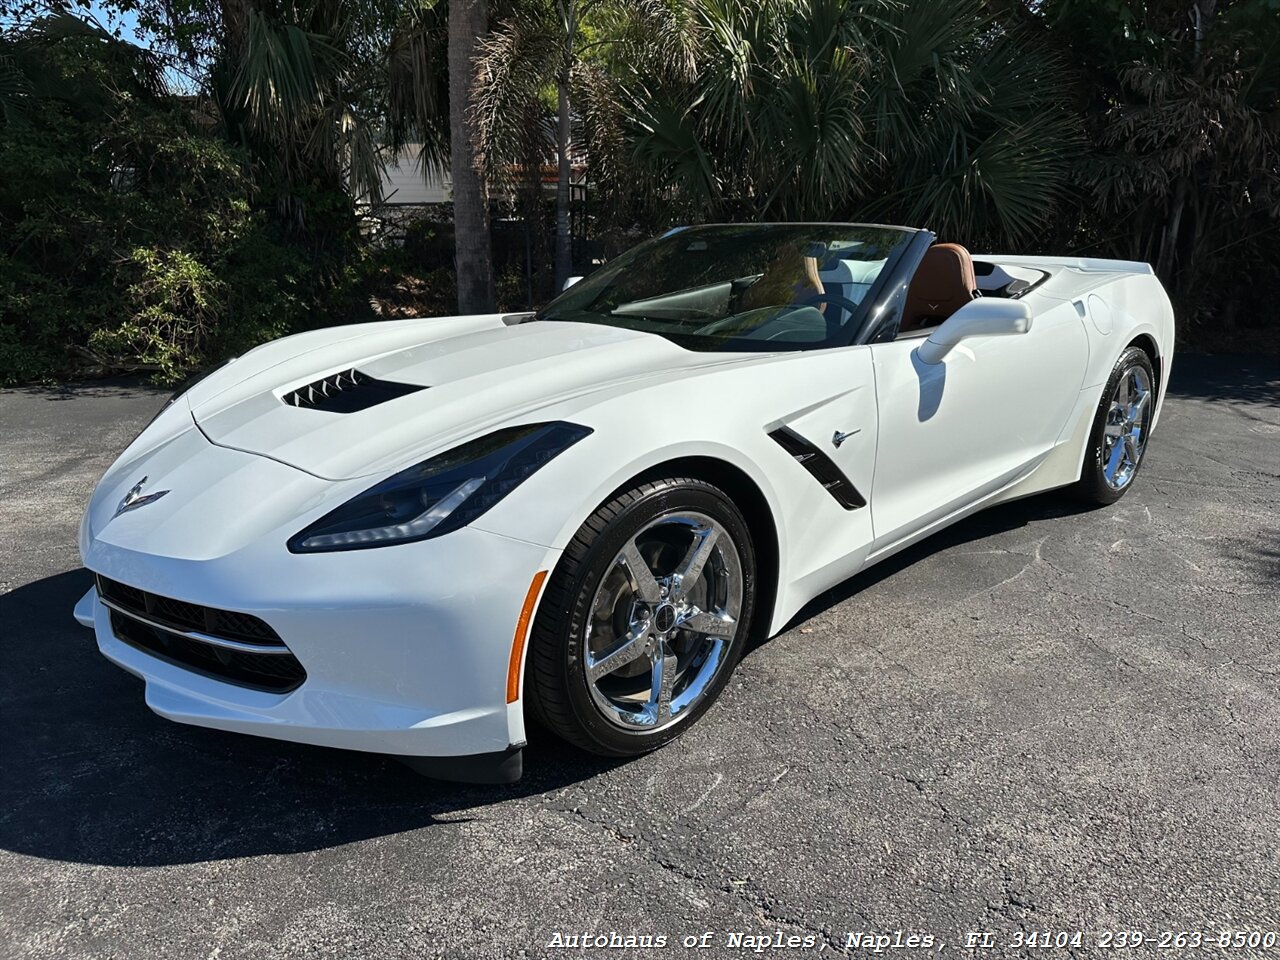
<point x="440" y="495"/>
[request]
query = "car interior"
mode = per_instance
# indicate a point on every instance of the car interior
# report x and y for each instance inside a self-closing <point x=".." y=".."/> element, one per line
<point x="809" y="293"/>
<point x="827" y="299"/>
<point x="943" y="283"/>
<point x="948" y="277"/>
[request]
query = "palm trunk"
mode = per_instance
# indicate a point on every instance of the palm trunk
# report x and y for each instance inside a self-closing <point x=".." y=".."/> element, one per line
<point x="564" y="241"/>
<point x="468" y="19"/>
<point x="1169" y="241"/>
<point x="568" y="11"/>
<point x="235" y="27"/>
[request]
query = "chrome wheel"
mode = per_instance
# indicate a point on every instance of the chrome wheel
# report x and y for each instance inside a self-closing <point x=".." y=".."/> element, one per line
<point x="1124" y="437"/>
<point x="662" y="621"/>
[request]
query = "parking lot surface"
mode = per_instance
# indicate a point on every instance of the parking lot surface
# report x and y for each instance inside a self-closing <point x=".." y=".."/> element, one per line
<point x="1043" y="719"/>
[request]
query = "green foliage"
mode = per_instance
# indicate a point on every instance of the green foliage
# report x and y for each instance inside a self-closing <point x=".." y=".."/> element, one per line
<point x="417" y="83"/>
<point x="171" y="306"/>
<point x="928" y="112"/>
<point x="144" y="230"/>
<point x="400" y="285"/>
<point x="1182" y="107"/>
<point x="133" y="235"/>
<point x="428" y="243"/>
<point x="289" y="86"/>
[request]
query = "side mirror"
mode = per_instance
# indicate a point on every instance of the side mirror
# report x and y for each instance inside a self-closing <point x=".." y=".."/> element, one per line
<point x="984" y="317"/>
<point x="569" y="283"/>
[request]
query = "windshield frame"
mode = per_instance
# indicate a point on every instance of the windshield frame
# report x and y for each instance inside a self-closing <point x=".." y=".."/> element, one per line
<point x="871" y="314"/>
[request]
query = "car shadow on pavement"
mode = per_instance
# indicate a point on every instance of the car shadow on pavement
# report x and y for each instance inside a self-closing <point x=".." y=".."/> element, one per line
<point x="89" y="775"/>
<point x="988" y="523"/>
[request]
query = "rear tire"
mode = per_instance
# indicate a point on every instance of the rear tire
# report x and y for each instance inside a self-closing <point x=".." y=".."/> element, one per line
<point x="643" y="619"/>
<point x="1121" y="429"/>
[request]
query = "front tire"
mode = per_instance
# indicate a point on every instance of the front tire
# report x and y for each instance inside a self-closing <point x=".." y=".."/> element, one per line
<point x="644" y="618"/>
<point x="1121" y="428"/>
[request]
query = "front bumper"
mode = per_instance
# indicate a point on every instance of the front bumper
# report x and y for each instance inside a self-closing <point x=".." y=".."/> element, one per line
<point x="406" y="649"/>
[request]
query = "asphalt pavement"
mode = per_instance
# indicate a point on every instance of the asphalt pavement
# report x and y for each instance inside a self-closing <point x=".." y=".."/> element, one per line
<point x="1042" y="720"/>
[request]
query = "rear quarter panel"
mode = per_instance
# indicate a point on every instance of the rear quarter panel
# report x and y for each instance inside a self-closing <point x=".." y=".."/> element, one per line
<point x="1119" y="300"/>
<point x="1118" y="303"/>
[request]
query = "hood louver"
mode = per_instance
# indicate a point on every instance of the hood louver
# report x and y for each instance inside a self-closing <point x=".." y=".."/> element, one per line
<point x="347" y="391"/>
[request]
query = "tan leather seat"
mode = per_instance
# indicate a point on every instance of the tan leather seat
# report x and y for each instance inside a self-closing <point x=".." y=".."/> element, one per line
<point x="943" y="284"/>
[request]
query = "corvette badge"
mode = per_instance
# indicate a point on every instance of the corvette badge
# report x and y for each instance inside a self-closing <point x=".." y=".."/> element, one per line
<point x="135" y="499"/>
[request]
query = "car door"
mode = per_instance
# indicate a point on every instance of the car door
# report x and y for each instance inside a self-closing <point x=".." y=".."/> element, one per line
<point x="956" y="431"/>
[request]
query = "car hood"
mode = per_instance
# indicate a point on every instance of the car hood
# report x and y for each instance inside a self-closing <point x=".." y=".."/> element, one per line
<point x="475" y="374"/>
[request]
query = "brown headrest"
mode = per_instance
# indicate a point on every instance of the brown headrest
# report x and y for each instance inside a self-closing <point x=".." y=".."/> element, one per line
<point x="943" y="283"/>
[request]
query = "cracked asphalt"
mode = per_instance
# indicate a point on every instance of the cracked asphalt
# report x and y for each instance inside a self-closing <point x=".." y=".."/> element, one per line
<point x="1041" y="720"/>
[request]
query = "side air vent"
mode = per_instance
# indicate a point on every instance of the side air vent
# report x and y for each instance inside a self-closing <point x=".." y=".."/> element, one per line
<point x="347" y="392"/>
<point x="821" y="467"/>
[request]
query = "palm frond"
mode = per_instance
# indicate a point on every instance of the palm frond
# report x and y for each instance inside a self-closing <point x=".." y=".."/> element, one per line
<point x="515" y="68"/>
<point x="282" y="76"/>
<point x="16" y="91"/>
<point x="417" y="82"/>
<point x="664" y="140"/>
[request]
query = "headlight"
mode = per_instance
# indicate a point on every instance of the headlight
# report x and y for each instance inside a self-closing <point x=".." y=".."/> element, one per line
<point x="441" y="494"/>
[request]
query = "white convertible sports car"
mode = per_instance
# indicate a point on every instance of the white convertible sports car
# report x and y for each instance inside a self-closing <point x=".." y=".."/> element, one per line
<point x="408" y="537"/>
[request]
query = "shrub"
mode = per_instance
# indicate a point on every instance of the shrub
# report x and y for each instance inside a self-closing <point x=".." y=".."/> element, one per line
<point x="132" y="233"/>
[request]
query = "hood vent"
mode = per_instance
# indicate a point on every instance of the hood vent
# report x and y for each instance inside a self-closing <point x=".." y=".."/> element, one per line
<point x="348" y="391"/>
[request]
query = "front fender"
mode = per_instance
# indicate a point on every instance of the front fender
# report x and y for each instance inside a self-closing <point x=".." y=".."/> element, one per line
<point x="725" y="414"/>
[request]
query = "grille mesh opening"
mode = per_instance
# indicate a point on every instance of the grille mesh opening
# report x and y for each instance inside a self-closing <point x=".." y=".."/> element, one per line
<point x="347" y="391"/>
<point x="274" y="673"/>
<point x="274" y="670"/>
<point x="189" y="616"/>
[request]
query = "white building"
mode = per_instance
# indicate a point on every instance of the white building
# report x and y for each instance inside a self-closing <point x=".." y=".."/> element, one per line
<point x="411" y="181"/>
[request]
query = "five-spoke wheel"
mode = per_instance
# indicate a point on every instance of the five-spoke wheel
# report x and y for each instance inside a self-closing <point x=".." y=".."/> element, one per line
<point x="662" y="619"/>
<point x="1125" y="434"/>
<point x="1120" y="431"/>
<point x="644" y="618"/>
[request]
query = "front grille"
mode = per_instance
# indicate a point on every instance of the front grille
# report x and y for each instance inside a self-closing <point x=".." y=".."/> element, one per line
<point x="188" y="617"/>
<point x="162" y="627"/>
<point x="274" y="673"/>
<point x="347" y="391"/>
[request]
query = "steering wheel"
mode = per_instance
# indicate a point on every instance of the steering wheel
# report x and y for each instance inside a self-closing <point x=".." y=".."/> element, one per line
<point x="844" y="303"/>
<point x="835" y="298"/>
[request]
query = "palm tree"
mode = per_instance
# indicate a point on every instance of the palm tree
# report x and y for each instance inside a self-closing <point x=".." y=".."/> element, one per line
<point x="468" y="20"/>
<point x="929" y="112"/>
<point x="290" y="85"/>
<point x="567" y="53"/>
<point x="973" y="119"/>
<point x="417" y="83"/>
<point x="530" y="57"/>
<point x="430" y="84"/>
<point x="1182" y="106"/>
<point x="567" y="19"/>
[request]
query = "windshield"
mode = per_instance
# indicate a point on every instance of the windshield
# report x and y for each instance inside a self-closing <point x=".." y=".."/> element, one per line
<point x="741" y="287"/>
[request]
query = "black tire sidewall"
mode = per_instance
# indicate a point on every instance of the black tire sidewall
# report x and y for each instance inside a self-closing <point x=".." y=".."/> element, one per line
<point x="672" y="496"/>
